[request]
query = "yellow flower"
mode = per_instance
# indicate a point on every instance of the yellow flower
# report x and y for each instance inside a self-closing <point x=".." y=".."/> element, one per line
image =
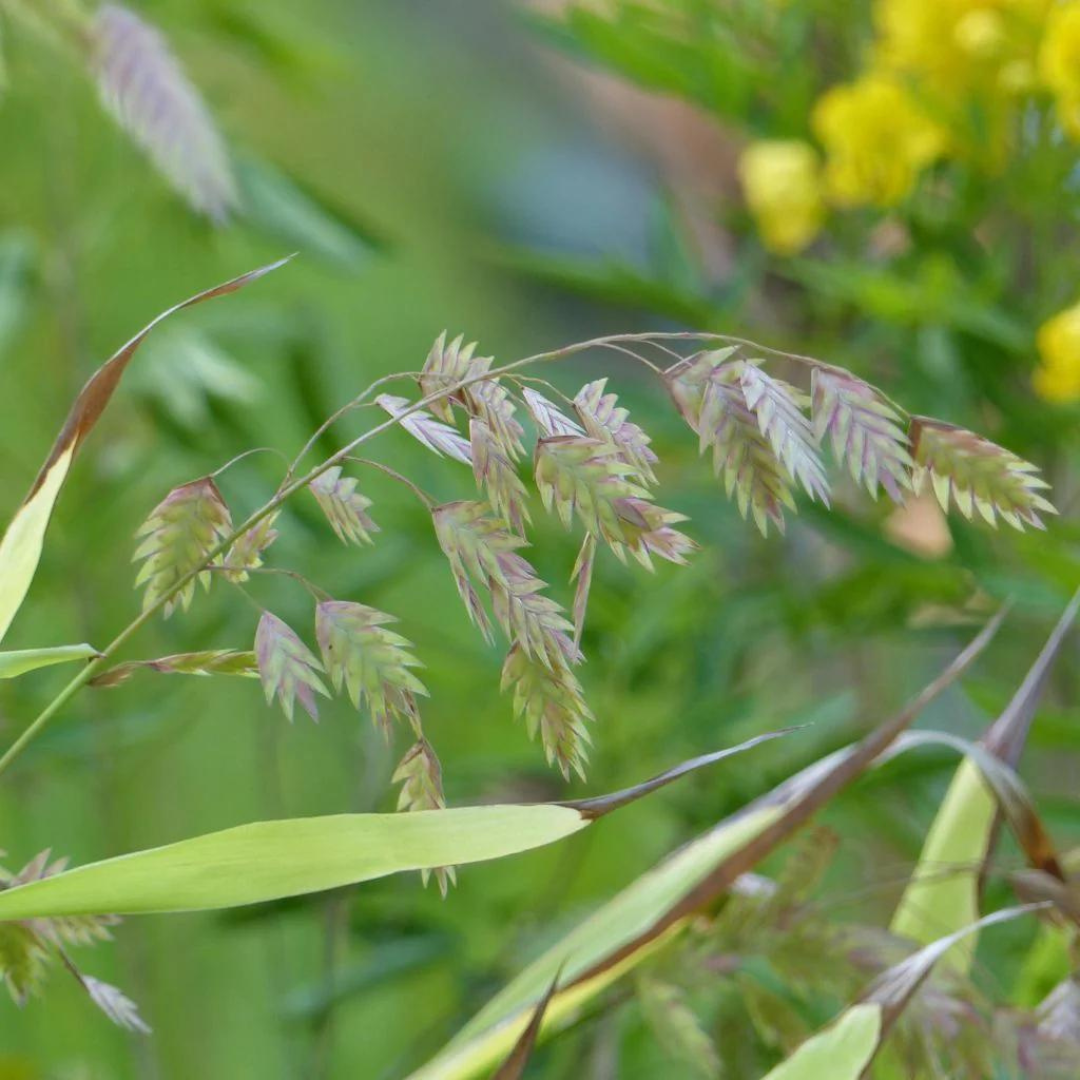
<point x="956" y="46"/>
<point x="1059" y="63"/>
<point x="781" y="181"/>
<point x="877" y="138"/>
<point x="1057" y="378"/>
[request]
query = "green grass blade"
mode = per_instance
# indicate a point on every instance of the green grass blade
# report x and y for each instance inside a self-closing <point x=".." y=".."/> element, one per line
<point x="624" y="931"/>
<point x="269" y="860"/>
<point x="21" y="661"/>
<point x="943" y="893"/>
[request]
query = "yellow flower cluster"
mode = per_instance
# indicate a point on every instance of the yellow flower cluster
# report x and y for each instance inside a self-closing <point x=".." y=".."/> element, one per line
<point x="957" y="49"/>
<point x="1059" y="63"/>
<point x="878" y="140"/>
<point x="1057" y="378"/>
<point x="783" y="191"/>
<point x="931" y="63"/>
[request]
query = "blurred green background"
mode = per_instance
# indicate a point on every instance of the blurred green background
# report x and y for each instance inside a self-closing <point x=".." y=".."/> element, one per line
<point x="471" y="165"/>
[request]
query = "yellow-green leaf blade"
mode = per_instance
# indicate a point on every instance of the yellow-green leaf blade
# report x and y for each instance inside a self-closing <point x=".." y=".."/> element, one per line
<point x="268" y="860"/>
<point x="943" y="892"/>
<point x="840" y="1052"/>
<point x="621" y="922"/>
<point x="20" y="549"/>
<point x="21" y="661"/>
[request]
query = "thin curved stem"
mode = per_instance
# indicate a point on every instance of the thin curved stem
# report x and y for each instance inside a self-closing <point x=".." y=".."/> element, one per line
<point x="246" y="454"/>
<point x="428" y="500"/>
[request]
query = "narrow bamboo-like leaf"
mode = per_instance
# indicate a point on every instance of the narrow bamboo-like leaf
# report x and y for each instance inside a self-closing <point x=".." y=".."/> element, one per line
<point x="21" y="546"/>
<point x="268" y="860"/>
<point x="847" y="1047"/>
<point x="943" y="893"/>
<point x="622" y="932"/>
<point x="19" y="662"/>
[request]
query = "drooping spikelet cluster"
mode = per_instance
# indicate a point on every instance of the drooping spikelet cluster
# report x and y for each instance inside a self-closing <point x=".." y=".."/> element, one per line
<point x="594" y="468"/>
<point x="766" y="436"/>
<point x="483" y="553"/>
<point x="29" y="947"/>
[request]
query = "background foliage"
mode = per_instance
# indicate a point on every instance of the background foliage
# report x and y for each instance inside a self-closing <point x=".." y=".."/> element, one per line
<point x="479" y="167"/>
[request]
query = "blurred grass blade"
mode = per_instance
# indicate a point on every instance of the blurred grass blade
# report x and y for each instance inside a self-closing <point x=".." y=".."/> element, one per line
<point x="514" y="1066"/>
<point x="847" y="1047"/>
<point x="622" y="932"/>
<point x="961" y="838"/>
<point x="277" y="206"/>
<point x="21" y="546"/>
<point x="19" y="662"/>
<point x="269" y="860"/>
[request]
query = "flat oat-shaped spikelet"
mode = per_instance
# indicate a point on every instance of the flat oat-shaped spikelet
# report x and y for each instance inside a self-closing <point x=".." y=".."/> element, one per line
<point x="552" y="704"/>
<point x="485" y="398"/>
<point x="498" y="476"/>
<point x="438" y="437"/>
<point x="548" y="417"/>
<point x="420" y="776"/>
<point x="247" y="549"/>
<point x="867" y="434"/>
<point x="481" y="550"/>
<point x="287" y="667"/>
<point x="375" y="664"/>
<point x="345" y="508"/>
<point x="177" y="537"/>
<point x="605" y="419"/>
<point x="976" y="474"/>
<point x="708" y="391"/>
<point x="143" y="87"/>
<point x="779" y="411"/>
